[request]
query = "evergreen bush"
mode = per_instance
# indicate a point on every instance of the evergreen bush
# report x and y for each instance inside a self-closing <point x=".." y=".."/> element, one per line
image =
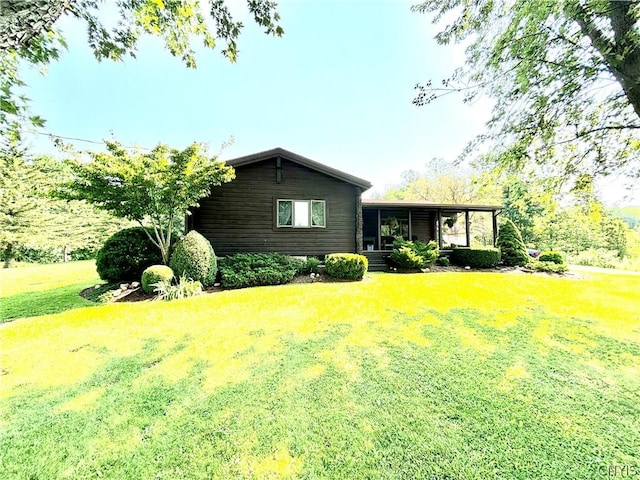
<point x="195" y="259"/>
<point x="547" y="266"/>
<point x="126" y="254"/>
<point x="348" y="266"/>
<point x="413" y="255"/>
<point x="255" y="269"/>
<point x="443" y="261"/>
<point x="551" y="256"/>
<point x="155" y="274"/>
<point x="512" y="248"/>
<point x="476" y="257"/>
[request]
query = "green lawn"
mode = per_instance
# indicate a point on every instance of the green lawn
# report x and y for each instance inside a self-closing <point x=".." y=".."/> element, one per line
<point x="34" y="290"/>
<point x="434" y="376"/>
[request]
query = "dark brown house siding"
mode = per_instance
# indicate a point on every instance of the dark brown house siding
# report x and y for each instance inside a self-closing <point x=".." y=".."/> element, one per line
<point x="240" y="216"/>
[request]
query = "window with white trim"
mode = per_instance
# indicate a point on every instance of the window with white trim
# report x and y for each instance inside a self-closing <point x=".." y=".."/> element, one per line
<point x="302" y="213"/>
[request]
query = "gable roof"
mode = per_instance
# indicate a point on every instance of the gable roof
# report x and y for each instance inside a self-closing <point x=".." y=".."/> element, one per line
<point x="299" y="159"/>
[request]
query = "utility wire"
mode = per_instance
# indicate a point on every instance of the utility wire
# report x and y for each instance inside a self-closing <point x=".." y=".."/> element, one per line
<point x="77" y="139"/>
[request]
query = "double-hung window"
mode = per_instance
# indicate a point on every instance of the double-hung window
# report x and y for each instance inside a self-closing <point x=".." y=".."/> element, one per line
<point x="302" y="213"/>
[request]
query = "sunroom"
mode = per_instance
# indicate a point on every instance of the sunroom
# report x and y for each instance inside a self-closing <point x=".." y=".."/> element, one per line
<point x="459" y="225"/>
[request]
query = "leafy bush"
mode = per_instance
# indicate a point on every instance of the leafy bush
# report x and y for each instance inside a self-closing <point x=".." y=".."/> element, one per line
<point x="551" y="256"/>
<point x="185" y="287"/>
<point x="254" y="269"/>
<point x="37" y="254"/>
<point x="596" y="257"/>
<point x="84" y="253"/>
<point x="487" y="257"/>
<point x="348" y="266"/>
<point x="414" y="254"/>
<point x="155" y="274"/>
<point x="126" y="254"/>
<point x="443" y="261"/>
<point x="194" y="258"/>
<point x="511" y="245"/>
<point x="311" y="265"/>
<point x="547" y="266"/>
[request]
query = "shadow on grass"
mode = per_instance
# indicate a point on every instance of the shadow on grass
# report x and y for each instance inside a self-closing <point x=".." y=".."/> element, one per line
<point x="35" y="304"/>
<point x="425" y="412"/>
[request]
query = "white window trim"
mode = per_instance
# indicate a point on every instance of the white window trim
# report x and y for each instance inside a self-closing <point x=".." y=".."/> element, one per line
<point x="293" y="219"/>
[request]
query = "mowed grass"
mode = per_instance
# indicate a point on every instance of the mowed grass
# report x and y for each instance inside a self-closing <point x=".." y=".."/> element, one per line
<point x="435" y="376"/>
<point x="33" y="290"/>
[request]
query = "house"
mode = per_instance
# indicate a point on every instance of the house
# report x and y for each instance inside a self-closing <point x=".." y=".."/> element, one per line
<point x="283" y="202"/>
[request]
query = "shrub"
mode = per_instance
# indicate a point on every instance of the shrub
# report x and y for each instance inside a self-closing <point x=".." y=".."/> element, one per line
<point x="348" y="266"/>
<point x="414" y="254"/>
<point x="37" y="254"/>
<point x="476" y="257"/>
<point x="183" y="289"/>
<point x="599" y="257"/>
<point x="511" y="245"/>
<point x="443" y="262"/>
<point x="547" y="266"/>
<point x="255" y="269"/>
<point x="126" y="254"/>
<point x="84" y="253"/>
<point x="155" y="274"/>
<point x="194" y="258"/>
<point x="311" y="265"/>
<point x="551" y="256"/>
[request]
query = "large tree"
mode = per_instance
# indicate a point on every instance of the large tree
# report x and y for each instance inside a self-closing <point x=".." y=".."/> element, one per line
<point x="28" y="33"/>
<point x="21" y="202"/>
<point x="564" y="74"/>
<point x="154" y="188"/>
<point x="29" y="218"/>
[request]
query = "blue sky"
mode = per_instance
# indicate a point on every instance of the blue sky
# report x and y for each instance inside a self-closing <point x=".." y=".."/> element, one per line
<point x="336" y="88"/>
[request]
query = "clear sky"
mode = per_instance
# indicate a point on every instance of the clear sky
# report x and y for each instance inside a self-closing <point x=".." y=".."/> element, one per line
<point x="336" y="88"/>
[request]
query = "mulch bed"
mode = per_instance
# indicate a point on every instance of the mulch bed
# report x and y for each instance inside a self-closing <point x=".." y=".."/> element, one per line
<point x="138" y="295"/>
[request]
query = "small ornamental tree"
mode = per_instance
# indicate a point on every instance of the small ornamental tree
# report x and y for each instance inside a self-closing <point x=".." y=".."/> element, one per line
<point x="154" y="188"/>
<point x="513" y="249"/>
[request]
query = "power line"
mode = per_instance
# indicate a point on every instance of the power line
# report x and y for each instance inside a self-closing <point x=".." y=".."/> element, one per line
<point x="77" y="139"/>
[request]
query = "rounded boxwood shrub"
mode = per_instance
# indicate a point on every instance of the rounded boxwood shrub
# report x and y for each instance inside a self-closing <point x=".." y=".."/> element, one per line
<point x="513" y="249"/>
<point x="194" y="259"/>
<point x="348" y="266"/>
<point x="126" y="254"/>
<point x="551" y="256"/>
<point x="476" y="257"/>
<point x="155" y="274"/>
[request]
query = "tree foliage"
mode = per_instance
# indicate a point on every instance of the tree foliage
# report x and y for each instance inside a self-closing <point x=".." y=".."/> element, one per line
<point x="28" y="32"/>
<point x="21" y="202"/>
<point x="442" y="182"/>
<point x="29" y="218"/>
<point x="155" y="187"/>
<point x="565" y="77"/>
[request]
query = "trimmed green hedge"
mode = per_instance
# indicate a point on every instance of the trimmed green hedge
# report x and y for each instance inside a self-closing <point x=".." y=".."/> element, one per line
<point x="155" y="274"/>
<point x="551" y="256"/>
<point x="195" y="259"/>
<point x="476" y="257"/>
<point x="348" y="266"/>
<point x="255" y="269"/>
